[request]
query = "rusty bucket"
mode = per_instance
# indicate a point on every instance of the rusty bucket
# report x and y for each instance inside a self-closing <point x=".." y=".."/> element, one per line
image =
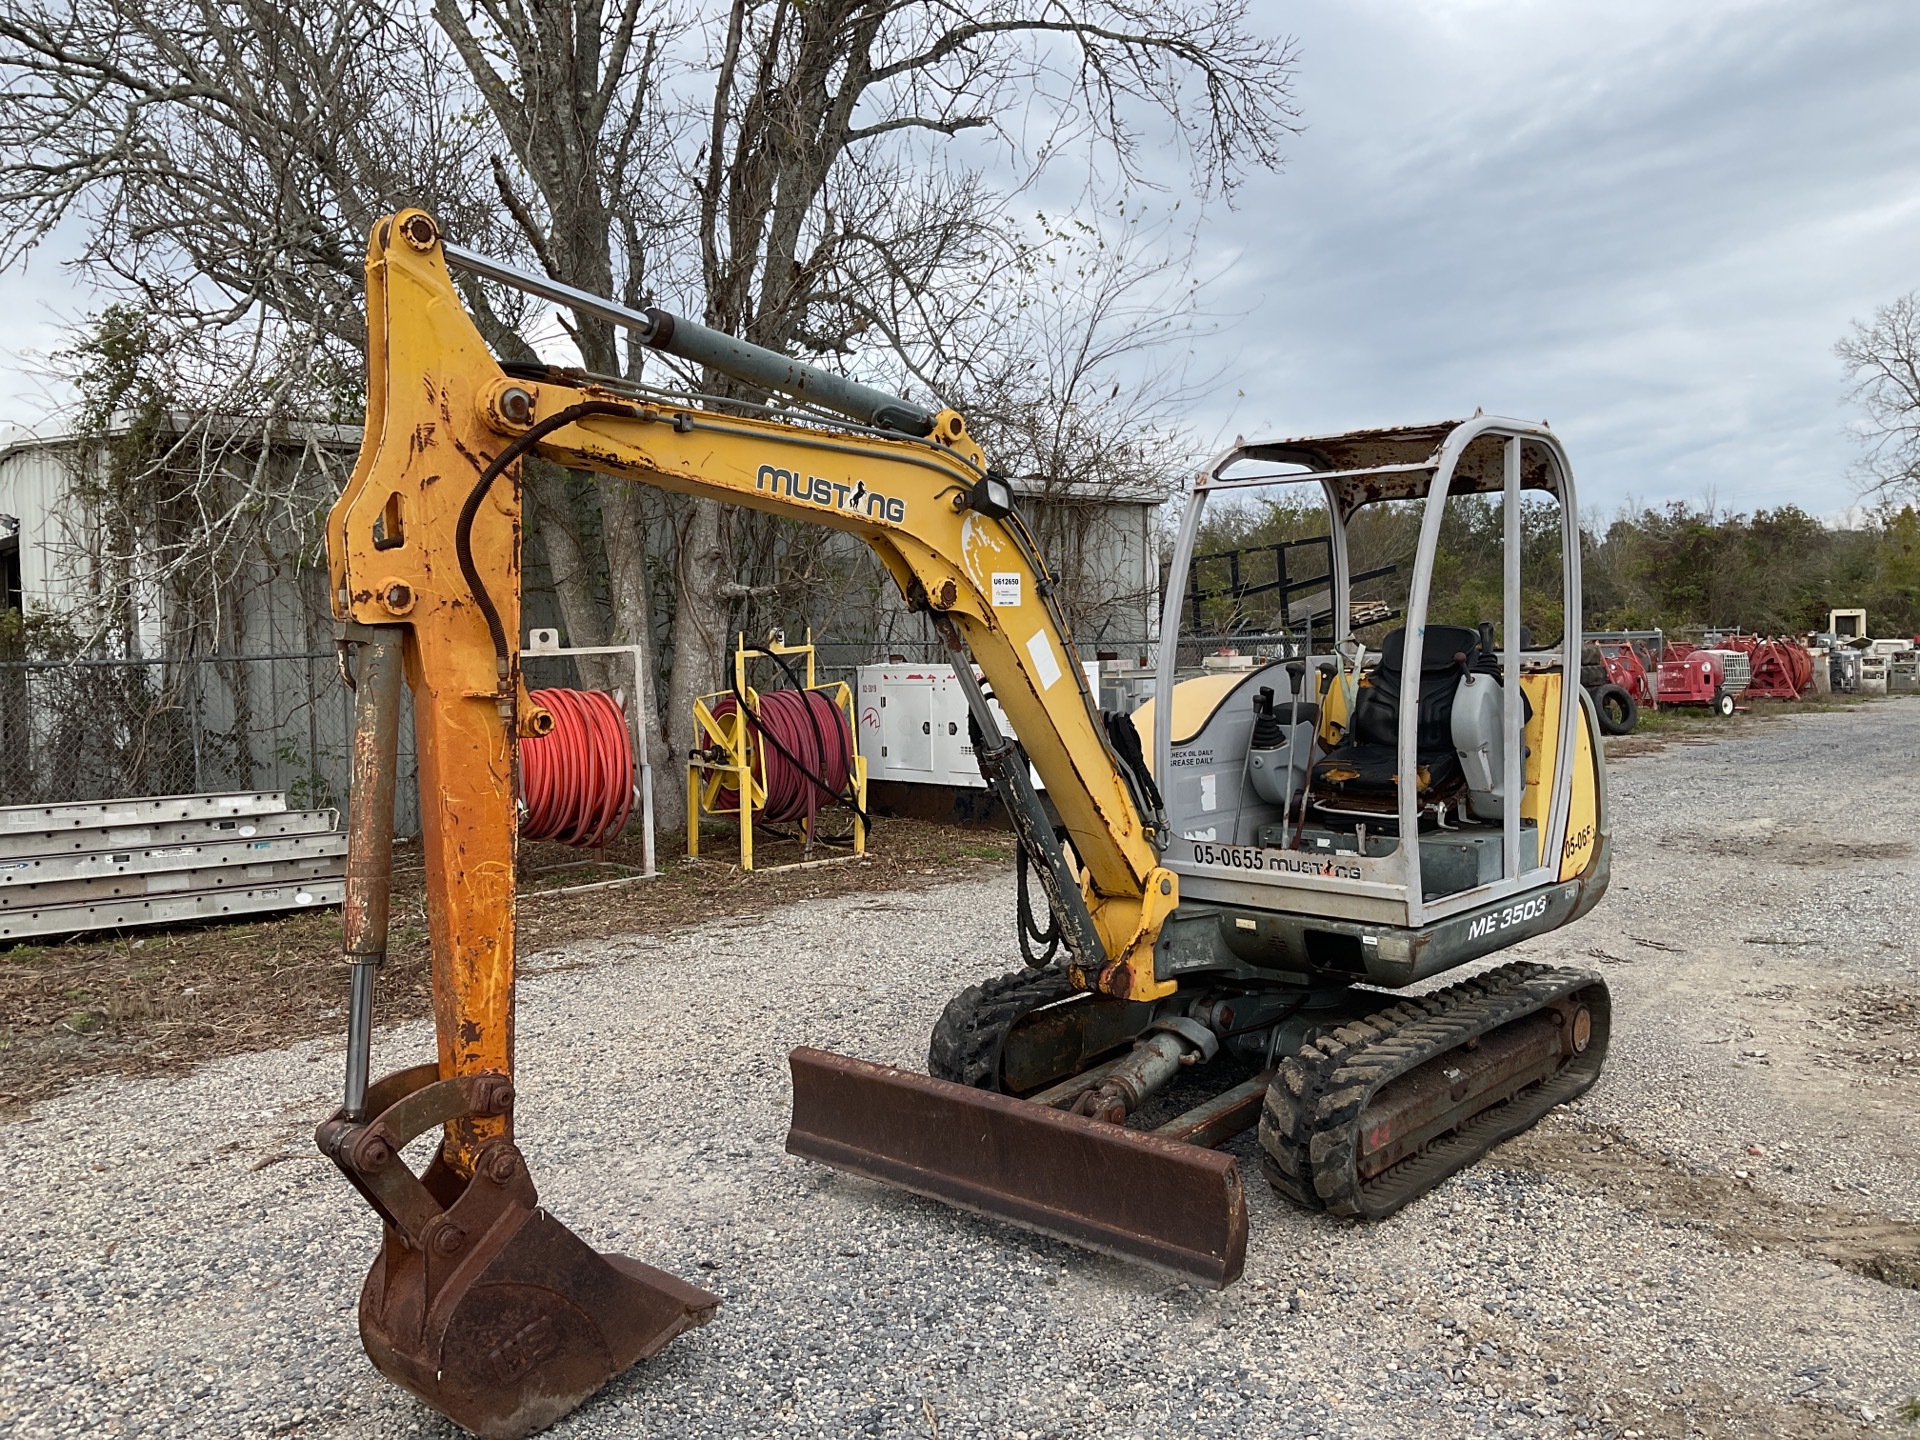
<point x="481" y="1303"/>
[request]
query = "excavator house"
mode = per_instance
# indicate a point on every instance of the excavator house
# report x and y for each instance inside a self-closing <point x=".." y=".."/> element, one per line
<point x="1238" y="877"/>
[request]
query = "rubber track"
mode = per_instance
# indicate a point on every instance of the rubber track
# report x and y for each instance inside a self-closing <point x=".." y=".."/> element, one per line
<point x="965" y="1047"/>
<point x="1310" y="1124"/>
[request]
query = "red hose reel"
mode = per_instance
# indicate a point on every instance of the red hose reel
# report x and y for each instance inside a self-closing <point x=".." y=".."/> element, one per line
<point x="577" y="780"/>
<point x="777" y="756"/>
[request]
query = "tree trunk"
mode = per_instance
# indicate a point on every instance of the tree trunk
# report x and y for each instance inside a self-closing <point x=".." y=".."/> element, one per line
<point x="550" y="519"/>
<point x="701" y="616"/>
<point x="623" y="532"/>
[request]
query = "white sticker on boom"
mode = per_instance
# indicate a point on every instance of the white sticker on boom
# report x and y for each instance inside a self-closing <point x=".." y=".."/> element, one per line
<point x="1006" y="589"/>
<point x="1048" y="668"/>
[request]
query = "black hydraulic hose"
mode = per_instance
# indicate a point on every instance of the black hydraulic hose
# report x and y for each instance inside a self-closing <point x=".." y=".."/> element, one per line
<point x="1030" y="932"/>
<point x="463" y="528"/>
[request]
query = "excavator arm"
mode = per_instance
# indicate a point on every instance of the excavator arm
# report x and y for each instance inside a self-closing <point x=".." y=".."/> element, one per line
<point x="481" y="1302"/>
<point x="426" y="536"/>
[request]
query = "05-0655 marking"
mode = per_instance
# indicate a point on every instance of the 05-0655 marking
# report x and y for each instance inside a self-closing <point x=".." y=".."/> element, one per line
<point x="1258" y="860"/>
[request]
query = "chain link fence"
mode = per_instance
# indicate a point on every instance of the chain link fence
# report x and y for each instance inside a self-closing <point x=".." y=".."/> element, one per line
<point x="78" y="730"/>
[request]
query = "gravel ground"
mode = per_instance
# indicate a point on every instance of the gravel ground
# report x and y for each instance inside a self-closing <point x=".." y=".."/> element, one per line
<point x="1701" y="1247"/>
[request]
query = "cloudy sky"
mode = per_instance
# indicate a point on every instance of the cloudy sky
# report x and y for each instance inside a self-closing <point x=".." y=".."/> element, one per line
<point x="1645" y="221"/>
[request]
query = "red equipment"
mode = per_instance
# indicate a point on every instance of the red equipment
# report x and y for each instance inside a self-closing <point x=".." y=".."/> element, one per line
<point x="1627" y="669"/>
<point x="1782" y="669"/>
<point x="1690" y="676"/>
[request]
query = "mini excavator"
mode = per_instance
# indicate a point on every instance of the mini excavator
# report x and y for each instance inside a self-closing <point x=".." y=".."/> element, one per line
<point x="1234" y="898"/>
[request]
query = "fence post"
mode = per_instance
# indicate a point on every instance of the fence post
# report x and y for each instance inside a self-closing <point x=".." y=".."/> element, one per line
<point x="193" y="684"/>
<point x="313" y="738"/>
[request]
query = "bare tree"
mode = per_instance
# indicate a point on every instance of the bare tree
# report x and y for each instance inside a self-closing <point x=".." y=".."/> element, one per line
<point x="835" y="213"/>
<point x="1078" y="390"/>
<point x="571" y="92"/>
<point x="1883" y="363"/>
<point x="827" y="177"/>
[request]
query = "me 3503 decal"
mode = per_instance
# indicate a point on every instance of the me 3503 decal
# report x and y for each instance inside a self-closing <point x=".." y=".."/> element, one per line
<point x="854" y="499"/>
<point x="1518" y="914"/>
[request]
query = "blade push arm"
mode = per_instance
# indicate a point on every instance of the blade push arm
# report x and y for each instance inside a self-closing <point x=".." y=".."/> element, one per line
<point x="426" y="537"/>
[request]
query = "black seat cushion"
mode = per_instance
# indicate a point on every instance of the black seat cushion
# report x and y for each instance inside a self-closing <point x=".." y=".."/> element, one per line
<point x="1366" y="762"/>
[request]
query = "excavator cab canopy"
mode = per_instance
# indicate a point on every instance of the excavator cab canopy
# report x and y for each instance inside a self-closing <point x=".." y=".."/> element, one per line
<point x="1414" y="794"/>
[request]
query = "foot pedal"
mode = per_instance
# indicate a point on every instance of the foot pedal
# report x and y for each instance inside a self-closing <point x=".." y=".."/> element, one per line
<point x="481" y="1303"/>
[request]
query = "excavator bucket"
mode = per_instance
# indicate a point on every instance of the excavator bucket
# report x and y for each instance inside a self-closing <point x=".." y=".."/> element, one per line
<point x="1129" y="1193"/>
<point x="480" y="1302"/>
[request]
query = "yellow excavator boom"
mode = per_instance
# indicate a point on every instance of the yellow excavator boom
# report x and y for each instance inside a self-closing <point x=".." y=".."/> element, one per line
<point x="424" y="554"/>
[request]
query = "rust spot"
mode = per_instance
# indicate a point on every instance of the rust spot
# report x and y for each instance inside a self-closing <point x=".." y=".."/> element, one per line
<point x="469" y="1033"/>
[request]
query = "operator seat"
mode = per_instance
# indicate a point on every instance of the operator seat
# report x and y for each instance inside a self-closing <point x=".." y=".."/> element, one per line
<point x="1363" y="769"/>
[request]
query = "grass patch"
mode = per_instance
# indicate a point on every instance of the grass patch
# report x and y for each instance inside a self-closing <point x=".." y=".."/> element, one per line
<point x="1684" y="723"/>
<point x="976" y="850"/>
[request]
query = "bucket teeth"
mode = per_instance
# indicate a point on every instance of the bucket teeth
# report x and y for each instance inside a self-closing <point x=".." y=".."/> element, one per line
<point x="1133" y="1194"/>
<point x="480" y="1302"/>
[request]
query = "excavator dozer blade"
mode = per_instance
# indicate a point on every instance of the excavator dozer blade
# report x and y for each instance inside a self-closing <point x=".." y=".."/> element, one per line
<point x="480" y="1302"/>
<point x="1138" y="1196"/>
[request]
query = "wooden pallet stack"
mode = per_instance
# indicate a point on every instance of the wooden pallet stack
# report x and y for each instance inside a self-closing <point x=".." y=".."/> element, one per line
<point x="181" y="859"/>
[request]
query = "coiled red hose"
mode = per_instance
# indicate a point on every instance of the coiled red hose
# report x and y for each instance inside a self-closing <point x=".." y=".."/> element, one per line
<point x="802" y="726"/>
<point x="1782" y="669"/>
<point x="577" y="779"/>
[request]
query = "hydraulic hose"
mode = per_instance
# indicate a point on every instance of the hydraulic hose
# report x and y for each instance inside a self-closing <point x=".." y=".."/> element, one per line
<point x="578" y="779"/>
<point x="463" y="527"/>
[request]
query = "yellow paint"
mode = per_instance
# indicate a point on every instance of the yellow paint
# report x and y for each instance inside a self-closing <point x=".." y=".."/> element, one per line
<point x="420" y="453"/>
<point x="1195" y="702"/>
<point x="1543" y="690"/>
<point x="1333" y="708"/>
<point x="1542" y="739"/>
<point x="1583" y="809"/>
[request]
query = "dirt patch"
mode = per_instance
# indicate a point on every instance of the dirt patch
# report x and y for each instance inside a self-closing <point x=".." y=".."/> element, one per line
<point x="157" y="1002"/>
<point x="1767" y="838"/>
<point x="1603" y="1160"/>
<point x="1878" y="1026"/>
<point x="1704" y="1411"/>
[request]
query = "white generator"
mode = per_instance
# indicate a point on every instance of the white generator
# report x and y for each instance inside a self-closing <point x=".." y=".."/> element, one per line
<point x="913" y="724"/>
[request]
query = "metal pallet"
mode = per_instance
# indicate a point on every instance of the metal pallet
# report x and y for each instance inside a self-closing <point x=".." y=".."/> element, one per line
<point x="25" y="874"/>
<point x="112" y="864"/>
<point x="104" y="888"/>
<point x="167" y="909"/>
<point x="93" y="814"/>
<point x="28" y="844"/>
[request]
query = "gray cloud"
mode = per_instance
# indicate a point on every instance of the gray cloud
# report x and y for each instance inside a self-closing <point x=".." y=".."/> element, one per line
<point x="1645" y="222"/>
